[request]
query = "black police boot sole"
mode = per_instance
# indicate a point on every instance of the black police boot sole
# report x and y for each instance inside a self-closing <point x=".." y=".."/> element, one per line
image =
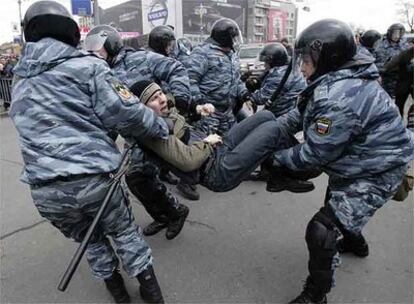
<point x="188" y="192"/>
<point x="299" y="187"/>
<point x="304" y="299"/>
<point x="174" y="228"/>
<point x="154" y="228"/>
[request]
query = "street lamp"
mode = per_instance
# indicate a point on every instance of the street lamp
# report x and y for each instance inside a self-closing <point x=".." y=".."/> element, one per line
<point x="201" y="10"/>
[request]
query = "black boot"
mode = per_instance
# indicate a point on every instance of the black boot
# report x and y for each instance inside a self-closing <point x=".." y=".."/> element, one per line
<point x="289" y="184"/>
<point x="188" y="191"/>
<point x="174" y="226"/>
<point x="149" y="289"/>
<point x="310" y="294"/>
<point x="115" y="285"/>
<point x="355" y="244"/>
<point x="154" y="228"/>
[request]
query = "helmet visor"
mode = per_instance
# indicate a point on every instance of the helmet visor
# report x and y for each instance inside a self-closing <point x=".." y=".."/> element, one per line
<point x="95" y="42"/>
<point x="237" y="41"/>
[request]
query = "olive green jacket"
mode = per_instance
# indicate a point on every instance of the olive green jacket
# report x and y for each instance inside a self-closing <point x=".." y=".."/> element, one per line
<point x="184" y="157"/>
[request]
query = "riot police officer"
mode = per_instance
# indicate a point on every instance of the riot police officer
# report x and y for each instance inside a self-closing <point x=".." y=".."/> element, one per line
<point x="369" y="40"/>
<point x="214" y="72"/>
<point x="276" y="60"/>
<point x="392" y="44"/>
<point x="65" y="103"/>
<point x="359" y="140"/>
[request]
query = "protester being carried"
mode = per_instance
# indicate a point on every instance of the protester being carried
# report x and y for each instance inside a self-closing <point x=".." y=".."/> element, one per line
<point x="218" y="163"/>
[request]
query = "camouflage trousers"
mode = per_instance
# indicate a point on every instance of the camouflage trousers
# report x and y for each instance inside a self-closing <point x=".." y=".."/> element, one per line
<point x="71" y="206"/>
<point x="355" y="201"/>
<point x="349" y="204"/>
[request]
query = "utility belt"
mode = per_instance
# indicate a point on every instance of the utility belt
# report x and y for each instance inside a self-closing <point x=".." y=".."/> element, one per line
<point x="69" y="178"/>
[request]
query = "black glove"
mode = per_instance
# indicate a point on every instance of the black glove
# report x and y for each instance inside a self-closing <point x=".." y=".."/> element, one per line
<point x="252" y="84"/>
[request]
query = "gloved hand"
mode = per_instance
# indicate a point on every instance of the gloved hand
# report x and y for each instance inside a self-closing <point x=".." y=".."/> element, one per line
<point x="205" y="109"/>
<point x="252" y="84"/>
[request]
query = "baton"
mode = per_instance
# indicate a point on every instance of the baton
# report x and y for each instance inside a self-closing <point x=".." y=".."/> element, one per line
<point x="76" y="258"/>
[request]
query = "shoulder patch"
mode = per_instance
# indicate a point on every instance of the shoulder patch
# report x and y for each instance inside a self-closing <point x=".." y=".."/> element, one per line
<point x="123" y="91"/>
<point x="321" y="92"/>
<point x="323" y="126"/>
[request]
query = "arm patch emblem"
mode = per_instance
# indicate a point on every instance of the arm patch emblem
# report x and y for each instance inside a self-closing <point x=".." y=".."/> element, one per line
<point x="323" y="126"/>
<point x="123" y="92"/>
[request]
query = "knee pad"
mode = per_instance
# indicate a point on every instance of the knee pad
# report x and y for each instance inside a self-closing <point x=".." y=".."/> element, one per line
<point x="321" y="240"/>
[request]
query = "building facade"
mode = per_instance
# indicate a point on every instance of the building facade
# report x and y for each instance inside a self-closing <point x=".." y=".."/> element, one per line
<point x="271" y="20"/>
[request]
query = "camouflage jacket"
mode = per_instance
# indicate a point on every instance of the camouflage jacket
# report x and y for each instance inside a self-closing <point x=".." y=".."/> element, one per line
<point x="386" y="50"/>
<point x="132" y="66"/>
<point x="65" y="102"/>
<point x="181" y="53"/>
<point x="215" y="76"/>
<point x="352" y="128"/>
<point x="287" y="98"/>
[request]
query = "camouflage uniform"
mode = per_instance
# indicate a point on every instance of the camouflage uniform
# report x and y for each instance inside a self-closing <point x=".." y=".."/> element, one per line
<point x="65" y="104"/>
<point x="287" y="98"/>
<point x="132" y="66"/>
<point x="354" y="133"/>
<point x="181" y="53"/>
<point x="383" y="53"/>
<point x="364" y="51"/>
<point x="215" y="78"/>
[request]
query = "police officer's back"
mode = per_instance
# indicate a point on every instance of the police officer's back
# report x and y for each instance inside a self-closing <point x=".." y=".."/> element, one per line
<point x="65" y="103"/>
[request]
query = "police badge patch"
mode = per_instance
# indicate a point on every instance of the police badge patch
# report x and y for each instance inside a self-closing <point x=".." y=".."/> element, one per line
<point x="323" y="126"/>
<point x="122" y="91"/>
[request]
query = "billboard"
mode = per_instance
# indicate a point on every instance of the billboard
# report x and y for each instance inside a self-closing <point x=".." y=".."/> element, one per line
<point x="200" y="15"/>
<point x="162" y="12"/>
<point x="277" y="24"/>
<point x="81" y="7"/>
<point x="126" y="17"/>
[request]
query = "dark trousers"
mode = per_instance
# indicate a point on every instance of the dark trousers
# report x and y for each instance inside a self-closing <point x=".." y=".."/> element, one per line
<point x="245" y="146"/>
<point x="157" y="200"/>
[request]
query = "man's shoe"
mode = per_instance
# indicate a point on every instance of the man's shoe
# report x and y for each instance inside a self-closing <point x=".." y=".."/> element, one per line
<point x="292" y="185"/>
<point x="310" y="295"/>
<point x="169" y="178"/>
<point x="115" y="285"/>
<point x="153" y="228"/>
<point x="174" y="227"/>
<point x="188" y="191"/>
<point x="357" y="246"/>
<point x="149" y="289"/>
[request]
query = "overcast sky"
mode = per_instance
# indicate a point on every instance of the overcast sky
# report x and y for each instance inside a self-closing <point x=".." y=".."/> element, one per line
<point x="369" y="14"/>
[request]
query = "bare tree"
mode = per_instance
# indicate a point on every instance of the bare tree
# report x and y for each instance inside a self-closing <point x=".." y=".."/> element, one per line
<point x="406" y="13"/>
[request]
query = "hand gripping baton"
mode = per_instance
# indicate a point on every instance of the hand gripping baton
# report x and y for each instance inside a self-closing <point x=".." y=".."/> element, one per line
<point x="116" y="179"/>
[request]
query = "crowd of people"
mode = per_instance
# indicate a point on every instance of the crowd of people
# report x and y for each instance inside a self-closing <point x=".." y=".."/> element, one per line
<point x="180" y="108"/>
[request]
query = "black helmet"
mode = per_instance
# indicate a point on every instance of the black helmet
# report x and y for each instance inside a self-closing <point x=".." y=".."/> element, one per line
<point x="50" y="19"/>
<point x="104" y="36"/>
<point x="274" y="54"/>
<point x="226" y="33"/>
<point x="186" y="42"/>
<point x="395" y="27"/>
<point x="330" y="44"/>
<point x="369" y="38"/>
<point x="159" y="39"/>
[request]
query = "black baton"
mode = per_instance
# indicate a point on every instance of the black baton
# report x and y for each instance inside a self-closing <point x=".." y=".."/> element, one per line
<point x="74" y="262"/>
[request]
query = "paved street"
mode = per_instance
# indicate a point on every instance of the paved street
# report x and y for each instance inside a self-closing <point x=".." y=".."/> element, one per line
<point x="245" y="246"/>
